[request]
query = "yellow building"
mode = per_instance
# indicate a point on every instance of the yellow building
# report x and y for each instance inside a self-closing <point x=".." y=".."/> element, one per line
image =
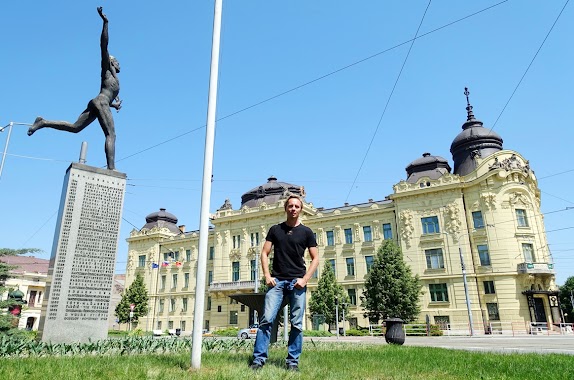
<point x="485" y="213"/>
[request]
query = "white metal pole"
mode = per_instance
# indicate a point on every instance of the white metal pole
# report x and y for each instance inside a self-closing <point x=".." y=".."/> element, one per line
<point x="5" y="146"/>
<point x="468" y="308"/>
<point x="206" y="192"/>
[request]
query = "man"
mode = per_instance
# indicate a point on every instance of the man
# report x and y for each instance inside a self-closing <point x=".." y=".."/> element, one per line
<point x="289" y="279"/>
<point x="99" y="107"/>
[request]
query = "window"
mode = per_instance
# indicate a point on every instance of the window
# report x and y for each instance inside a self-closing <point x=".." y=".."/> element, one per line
<point x="141" y="261"/>
<point x="352" y="296"/>
<point x="242" y="308"/>
<point x="483" y="254"/>
<point x="184" y="305"/>
<point x="235" y="271"/>
<point x="442" y="320"/>
<point x="330" y="238"/>
<point x="170" y="325"/>
<point x="253" y="269"/>
<point x="434" y="258"/>
<point x="333" y="267"/>
<point x="163" y="281"/>
<point x="521" y="218"/>
<point x="387" y="231"/>
<point x="430" y="225"/>
<point x="233" y="317"/>
<point x="492" y="309"/>
<point x="159" y="325"/>
<point x="186" y="280"/>
<point x="188" y="255"/>
<point x="255" y="239"/>
<point x="367" y="234"/>
<point x="438" y="292"/>
<point x="211" y="253"/>
<point x="528" y="252"/>
<point x="350" y="266"/>
<point x="315" y="273"/>
<point x="176" y="255"/>
<point x="161" y="302"/>
<point x="219" y="308"/>
<point x="166" y="256"/>
<point x="369" y="260"/>
<point x="182" y="325"/>
<point x="236" y="241"/>
<point x="172" y="304"/>
<point x="174" y="280"/>
<point x="209" y="277"/>
<point x="348" y="236"/>
<point x="208" y="307"/>
<point x="477" y="220"/>
<point x="488" y="287"/>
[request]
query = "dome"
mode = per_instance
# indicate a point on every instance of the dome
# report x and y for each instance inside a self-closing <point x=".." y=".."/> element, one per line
<point x="16" y="294"/>
<point x="270" y="192"/>
<point x="427" y="166"/>
<point x="162" y="219"/>
<point x="474" y="141"/>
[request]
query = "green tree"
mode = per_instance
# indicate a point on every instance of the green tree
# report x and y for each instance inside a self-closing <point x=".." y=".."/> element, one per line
<point x="7" y="320"/>
<point x="136" y="294"/>
<point x="566" y="301"/>
<point x="328" y="292"/>
<point x="391" y="291"/>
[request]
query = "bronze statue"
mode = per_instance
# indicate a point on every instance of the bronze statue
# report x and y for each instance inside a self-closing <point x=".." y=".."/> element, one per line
<point x="99" y="107"/>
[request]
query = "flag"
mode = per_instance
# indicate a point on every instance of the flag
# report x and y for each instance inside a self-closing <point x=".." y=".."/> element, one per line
<point x="165" y="264"/>
<point x="154" y="265"/>
<point x="178" y="263"/>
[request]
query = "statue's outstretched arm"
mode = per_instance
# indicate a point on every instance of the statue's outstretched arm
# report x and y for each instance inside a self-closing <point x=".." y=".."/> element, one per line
<point x="104" y="42"/>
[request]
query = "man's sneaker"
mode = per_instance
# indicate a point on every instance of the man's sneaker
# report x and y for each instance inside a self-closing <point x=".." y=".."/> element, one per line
<point x="293" y="367"/>
<point x="256" y="366"/>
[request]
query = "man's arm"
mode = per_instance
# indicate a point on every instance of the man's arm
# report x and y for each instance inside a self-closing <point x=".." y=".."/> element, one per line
<point x="104" y="42"/>
<point x="270" y="281"/>
<point x="302" y="282"/>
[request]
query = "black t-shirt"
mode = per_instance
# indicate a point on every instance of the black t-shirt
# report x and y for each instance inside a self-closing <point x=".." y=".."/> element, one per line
<point x="289" y="245"/>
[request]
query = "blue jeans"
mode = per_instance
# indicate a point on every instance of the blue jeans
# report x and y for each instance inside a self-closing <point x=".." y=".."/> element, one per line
<point x="273" y="300"/>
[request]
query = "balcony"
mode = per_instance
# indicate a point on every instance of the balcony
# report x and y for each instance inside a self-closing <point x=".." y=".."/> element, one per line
<point x="231" y="286"/>
<point x="536" y="268"/>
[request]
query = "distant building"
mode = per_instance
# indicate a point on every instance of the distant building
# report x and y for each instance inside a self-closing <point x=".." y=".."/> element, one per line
<point x="487" y="209"/>
<point x="117" y="290"/>
<point x="30" y="278"/>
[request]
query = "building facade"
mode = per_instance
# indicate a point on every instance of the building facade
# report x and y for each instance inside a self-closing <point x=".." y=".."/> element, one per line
<point x="483" y="215"/>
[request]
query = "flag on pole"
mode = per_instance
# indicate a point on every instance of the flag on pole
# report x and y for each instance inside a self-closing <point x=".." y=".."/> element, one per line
<point x="178" y="263"/>
<point x="165" y="264"/>
<point x="154" y="265"/>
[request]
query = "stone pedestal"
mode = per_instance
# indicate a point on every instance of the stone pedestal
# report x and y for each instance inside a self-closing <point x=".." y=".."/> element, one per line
<point x="82" y="265"/>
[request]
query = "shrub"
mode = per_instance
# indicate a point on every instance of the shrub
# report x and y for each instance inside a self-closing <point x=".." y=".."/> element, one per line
<point x="316" y="333"/>
<point x="229" y="331"/>
<point x="356" y="332"/>
<point x="435" y="330"/>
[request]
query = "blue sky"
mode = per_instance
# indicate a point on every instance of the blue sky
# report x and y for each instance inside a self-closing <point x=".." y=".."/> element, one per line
<point x="316" y="136"/>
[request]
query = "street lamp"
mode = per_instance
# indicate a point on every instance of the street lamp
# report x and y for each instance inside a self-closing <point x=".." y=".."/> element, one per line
<point x="9" y="126"/>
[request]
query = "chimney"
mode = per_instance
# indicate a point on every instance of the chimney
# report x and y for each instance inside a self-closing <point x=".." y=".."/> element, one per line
<point x="181" y="228"/>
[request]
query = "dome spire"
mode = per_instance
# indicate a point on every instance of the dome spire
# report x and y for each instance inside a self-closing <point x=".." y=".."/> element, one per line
<point x="470" y="115"/>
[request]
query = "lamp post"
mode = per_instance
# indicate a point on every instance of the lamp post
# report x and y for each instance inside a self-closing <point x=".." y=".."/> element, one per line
<point x="9" y="126"/>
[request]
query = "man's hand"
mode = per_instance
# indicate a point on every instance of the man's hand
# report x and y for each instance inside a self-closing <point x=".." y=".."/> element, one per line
<point x="270" y="281"/>
<point x="301" y="283"/>
<point x="117" y="105"/>
<point x="102" y="15"/>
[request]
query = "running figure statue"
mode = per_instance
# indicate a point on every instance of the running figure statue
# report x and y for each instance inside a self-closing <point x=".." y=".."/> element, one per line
<point x="99" y="107"/>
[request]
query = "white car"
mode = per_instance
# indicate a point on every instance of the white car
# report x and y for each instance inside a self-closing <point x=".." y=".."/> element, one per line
<point x="248" y="333"/>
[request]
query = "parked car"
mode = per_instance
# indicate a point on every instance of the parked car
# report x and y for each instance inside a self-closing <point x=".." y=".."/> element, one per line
<point x="248" y="333"/>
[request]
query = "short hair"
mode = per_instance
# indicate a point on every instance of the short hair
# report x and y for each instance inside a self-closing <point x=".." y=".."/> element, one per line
<point x="293" y="196"/>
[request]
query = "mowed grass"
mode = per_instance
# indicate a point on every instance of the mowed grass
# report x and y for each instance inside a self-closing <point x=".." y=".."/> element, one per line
<point x="333" y="361"/>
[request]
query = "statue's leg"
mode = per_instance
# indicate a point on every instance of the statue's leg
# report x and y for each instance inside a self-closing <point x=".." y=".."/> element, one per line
<point x="107" y="123"/>
<point x="85" y="119"/>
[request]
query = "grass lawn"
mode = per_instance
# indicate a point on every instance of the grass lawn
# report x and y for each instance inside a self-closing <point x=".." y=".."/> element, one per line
<point x="325" y="361"/>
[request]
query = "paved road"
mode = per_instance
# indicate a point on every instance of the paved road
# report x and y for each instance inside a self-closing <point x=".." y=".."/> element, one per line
<point x="553" y="344"/>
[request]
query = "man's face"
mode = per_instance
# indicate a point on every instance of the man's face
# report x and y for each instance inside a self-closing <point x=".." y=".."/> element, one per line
<point x="293" y="208"/>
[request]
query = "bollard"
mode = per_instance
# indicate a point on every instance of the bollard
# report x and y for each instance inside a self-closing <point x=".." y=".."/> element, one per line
<point x="395" y="333"/>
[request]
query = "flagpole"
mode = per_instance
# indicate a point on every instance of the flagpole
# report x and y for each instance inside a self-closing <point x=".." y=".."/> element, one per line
<point x="206" y="192"/>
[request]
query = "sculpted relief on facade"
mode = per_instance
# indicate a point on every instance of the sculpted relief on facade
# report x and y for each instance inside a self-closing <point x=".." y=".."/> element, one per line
<point x="407" y="227"/>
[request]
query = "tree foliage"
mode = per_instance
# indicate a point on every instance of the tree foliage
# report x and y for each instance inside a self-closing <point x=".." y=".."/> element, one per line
<point x="7" y="320"/>
<point x="391" y="291"/>
<point x="566" y="292"/>
<point x="136" y="294"/>
<point x="328" y="291"/>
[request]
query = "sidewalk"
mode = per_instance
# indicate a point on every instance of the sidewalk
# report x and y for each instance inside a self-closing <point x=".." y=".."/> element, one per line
<point x="558" y="344"/>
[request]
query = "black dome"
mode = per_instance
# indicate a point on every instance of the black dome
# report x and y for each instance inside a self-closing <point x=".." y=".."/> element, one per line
<point x="427" y="166"/>
<point x="270" y="192"/>
<point x="161" y="219"/>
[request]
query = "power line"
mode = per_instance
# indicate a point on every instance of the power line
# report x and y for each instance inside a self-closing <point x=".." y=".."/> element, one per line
<point x="530" y="64"/>
<point x="388" y="101"/>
